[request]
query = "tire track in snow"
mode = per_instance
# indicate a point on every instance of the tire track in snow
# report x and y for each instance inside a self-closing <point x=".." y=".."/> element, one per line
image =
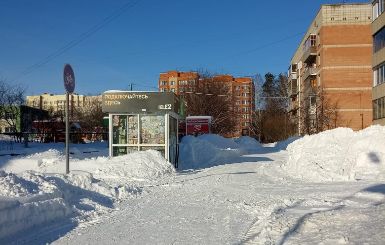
<point x="258" y="232"/>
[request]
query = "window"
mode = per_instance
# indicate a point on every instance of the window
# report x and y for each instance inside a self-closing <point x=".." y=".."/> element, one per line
<point x="163" y="83"/>
<point x="163" y="90"/>
<point x="313" y="83"/>
<point x="378" y="8"/>
<point x="379" y="75"/>
<point x="172" y="90"/>
<point x="183" y="82"/>
<point x="379" y="40"/>
<point x="191" y="82"/>
<point x="379" y="108"/>
<point x="245" y="102"/>
<point x="245" y="116"/>
<point x="245" y="109"/>
<point x="312" y="100"/>
<point x="310" y="42"/>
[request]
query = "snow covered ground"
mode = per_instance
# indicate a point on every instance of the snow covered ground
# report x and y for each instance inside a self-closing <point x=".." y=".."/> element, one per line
<point x="321" y="189"/>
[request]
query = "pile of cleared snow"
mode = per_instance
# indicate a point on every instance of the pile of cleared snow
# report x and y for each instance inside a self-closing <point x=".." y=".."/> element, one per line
<point x="197" y="153"/>
<point x="145" y="165"/>
<point x="219" y="141"/>
<point x="209" y="150"/>
<point x="31" y="199"/>
<point x="142" y="165"/>
<point x="12" y="185"/>
<point x="339" y="155"/>
<point x="27" y="201"/>
<point x="282" y="145"/>
<point x="35" y="193"/>
<point x="248" y="144"/>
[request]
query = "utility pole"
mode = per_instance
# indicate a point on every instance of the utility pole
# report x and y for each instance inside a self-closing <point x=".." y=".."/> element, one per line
<point x="131" y="86"/>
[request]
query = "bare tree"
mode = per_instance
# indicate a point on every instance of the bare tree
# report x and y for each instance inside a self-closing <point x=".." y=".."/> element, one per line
<point x="257" y="111"/>
<point x="90" y="115"/>
<point x="319" y="113"/>
<point x="272" y="118"/>
<point x="212" y="97"/>
<point x="11" y="99"/>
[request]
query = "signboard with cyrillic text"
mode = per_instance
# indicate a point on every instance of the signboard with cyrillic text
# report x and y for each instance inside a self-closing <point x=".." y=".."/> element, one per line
<point x="140" y="102"/>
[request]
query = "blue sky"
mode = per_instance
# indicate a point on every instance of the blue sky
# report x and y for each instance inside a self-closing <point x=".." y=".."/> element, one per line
<point x="241" y="38"/>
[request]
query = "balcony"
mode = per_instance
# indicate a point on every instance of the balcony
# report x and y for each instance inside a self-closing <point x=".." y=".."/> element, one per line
<point x="309" y="54"/>
<point x="309" y="71"/>
<point x="312" y="110"/>
<point x="293" y="106"/>
<point x="293" y="88"/>
<point x="292" y="76"/>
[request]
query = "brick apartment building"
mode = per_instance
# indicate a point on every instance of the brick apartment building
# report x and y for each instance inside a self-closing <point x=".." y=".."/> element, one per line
<point x="331" y="70"/>
<point x="240" y="89"/>
<point x="378" y="31"/>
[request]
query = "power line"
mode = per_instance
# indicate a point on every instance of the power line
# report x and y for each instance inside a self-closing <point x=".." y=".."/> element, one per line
<point x="266" y="45"/>
<point x="81" y="38"/>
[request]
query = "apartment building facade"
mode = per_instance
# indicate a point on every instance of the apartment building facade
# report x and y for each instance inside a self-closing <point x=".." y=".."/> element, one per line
<point x="241" y="90"/>
<point x="56" y="102"/>
<point x="378" y="32"/>
<point x="330" y="74"/>
<point x="178" y="82"/>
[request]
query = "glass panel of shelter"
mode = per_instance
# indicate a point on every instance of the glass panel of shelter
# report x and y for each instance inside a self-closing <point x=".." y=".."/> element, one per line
<point x="133" y="132"/>
<point x="173" y="140"/>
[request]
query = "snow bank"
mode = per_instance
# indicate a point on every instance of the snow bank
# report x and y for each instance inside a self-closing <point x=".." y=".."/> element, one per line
<point x="282" y="145"/>
<point x="33" y="199"/>
<point x="27" y="201"/>
<point x="142" y="165"/>
<point x="339" y="155"/>
<point x="248" y="144"/>
<point x="35" y="191"/>
<point x="197" y="153"/>
<point x="219" y="141"/>
<point x="210" y="150"/>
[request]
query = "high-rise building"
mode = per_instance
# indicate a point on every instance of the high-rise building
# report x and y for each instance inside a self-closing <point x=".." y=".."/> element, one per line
<point x="241" y="91"/>
<point x="330" y="74"/>
<point x="178" y="82"/>
<point x="378" y="31"/>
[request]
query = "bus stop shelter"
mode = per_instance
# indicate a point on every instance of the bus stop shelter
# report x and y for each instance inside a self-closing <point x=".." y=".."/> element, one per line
<point x="141" y="121"/>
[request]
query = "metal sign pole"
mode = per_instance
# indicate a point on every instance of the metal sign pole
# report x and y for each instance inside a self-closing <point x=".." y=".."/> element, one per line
<point x="69" y="84"/>
<point x="67" y="134"/>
